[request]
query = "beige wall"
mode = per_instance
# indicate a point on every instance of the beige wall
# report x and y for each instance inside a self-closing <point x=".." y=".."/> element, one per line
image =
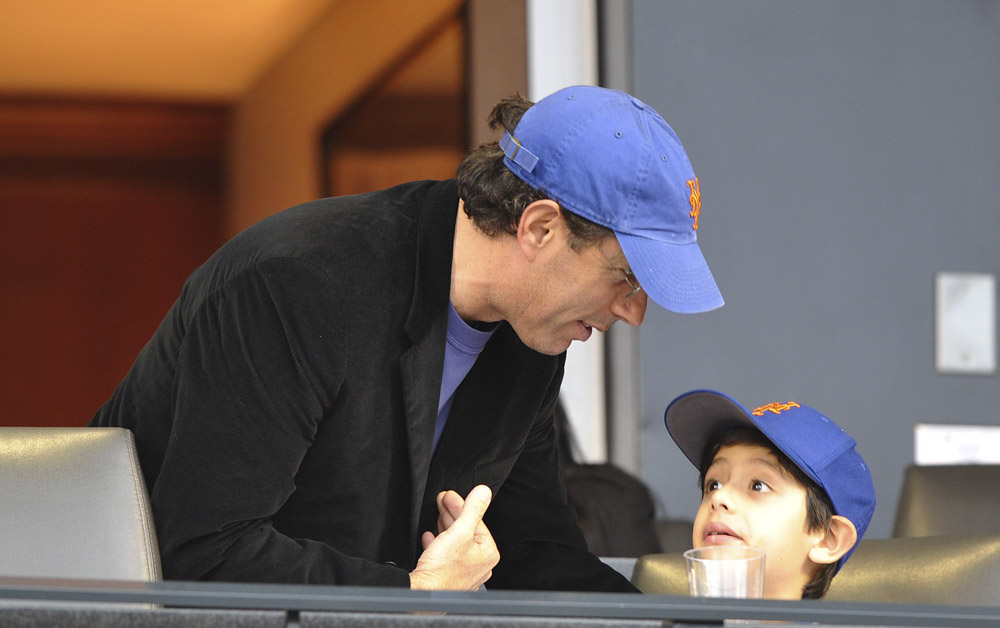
<point x="275" y="145"/>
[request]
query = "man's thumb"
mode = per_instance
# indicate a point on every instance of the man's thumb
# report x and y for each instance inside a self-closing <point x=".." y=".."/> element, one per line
<point x="476" y="503"/>
<point x="482" y="493"/>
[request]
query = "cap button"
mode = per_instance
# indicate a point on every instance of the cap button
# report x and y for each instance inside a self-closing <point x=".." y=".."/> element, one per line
<point x="638" y="103"/>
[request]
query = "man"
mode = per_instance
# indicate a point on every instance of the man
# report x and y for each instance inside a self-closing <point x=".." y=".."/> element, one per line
<point x="334" y="379"/>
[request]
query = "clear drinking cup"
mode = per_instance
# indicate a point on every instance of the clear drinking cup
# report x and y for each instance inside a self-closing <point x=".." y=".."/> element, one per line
<point x="725" y="571"/>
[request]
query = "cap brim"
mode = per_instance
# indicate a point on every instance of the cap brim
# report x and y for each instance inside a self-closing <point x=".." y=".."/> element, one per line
<point x="694" y="417"/>
<point x="675" y="276"/>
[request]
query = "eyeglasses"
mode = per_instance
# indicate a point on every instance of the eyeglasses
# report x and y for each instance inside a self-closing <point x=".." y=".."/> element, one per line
<point x="629" y="277"/>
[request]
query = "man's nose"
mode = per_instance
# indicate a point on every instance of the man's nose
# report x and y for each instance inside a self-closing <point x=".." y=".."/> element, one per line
<point x="631" y="309"/>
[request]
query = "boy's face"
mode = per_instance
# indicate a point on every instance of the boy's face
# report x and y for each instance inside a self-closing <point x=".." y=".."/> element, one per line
<point x="748" y="499"/>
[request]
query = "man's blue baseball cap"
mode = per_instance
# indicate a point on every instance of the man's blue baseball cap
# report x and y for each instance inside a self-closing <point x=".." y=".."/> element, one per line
<point x="610" y="158"/>
<point x="817" y="445"/>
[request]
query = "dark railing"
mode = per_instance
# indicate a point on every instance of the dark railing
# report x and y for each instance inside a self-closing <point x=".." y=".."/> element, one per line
<point x="23" y="595"/>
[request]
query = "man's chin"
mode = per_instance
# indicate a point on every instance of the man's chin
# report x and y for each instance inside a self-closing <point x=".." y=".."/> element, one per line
<point x="550" y="347"/>
<point x="555" y="344"/>
<point x="549" y="350"/>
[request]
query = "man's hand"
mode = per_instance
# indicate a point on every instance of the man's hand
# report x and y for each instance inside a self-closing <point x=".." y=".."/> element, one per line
<point x="462" y="556"/>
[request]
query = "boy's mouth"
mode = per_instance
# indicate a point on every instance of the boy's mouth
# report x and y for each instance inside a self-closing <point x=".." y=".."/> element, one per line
<point x="719" y="534"/>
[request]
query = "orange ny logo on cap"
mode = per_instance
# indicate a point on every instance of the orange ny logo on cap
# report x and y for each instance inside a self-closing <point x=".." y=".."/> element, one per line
<point x="695" y="199"/>
<point x="776" y="408"/>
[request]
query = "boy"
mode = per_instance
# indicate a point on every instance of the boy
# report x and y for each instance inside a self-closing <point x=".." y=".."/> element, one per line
<point x="782" y="477"/>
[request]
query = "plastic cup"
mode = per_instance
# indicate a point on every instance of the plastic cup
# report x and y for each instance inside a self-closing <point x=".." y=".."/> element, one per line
<point x="725" y="571"/>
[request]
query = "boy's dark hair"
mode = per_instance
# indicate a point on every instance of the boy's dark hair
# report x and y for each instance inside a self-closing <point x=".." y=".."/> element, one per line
<point x="819" y="508"/>
<point x="495" y="197"/>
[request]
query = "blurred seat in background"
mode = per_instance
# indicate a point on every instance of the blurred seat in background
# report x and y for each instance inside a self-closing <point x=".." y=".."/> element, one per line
<point x="615" y="509"/>
<point x="74" y="505"/>
<point x="958" y="570"/>
<point x="675" y="534"/>
<point x="948" y="499"/>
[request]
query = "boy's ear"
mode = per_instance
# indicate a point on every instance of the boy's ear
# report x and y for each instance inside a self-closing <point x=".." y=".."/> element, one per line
<point x="840" y="537"/>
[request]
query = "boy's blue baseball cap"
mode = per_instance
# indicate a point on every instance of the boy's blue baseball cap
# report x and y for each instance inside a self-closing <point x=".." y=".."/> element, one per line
<point x="817" y="445"/>
<point x="612" y="159"/>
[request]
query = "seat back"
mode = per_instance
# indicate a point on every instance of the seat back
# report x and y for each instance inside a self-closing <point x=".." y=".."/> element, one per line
<point x="954" y="569"/>
<point x="74" y="505"/>
<point x="957" y="570"/>
<point x="948" y="499"/>
<point x="661" y="574"/>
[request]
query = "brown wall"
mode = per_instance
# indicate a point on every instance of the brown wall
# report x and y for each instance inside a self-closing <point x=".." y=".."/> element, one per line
<point x="105" y="207"/>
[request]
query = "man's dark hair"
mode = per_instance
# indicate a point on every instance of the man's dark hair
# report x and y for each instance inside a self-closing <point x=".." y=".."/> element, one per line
<point x="495" y="197"/>
<point x="819" y="508"/>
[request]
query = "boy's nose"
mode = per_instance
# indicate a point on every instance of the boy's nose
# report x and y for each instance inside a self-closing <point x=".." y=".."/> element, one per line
<point x="722" y="499"/>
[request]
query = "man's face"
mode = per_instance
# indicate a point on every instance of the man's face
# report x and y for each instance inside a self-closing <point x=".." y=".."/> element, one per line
<point x="575" y="293"/>
<point x="748" y="499"/>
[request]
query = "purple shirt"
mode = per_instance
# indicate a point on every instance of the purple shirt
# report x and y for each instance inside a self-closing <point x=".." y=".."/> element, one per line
<point x="463" y="346"/>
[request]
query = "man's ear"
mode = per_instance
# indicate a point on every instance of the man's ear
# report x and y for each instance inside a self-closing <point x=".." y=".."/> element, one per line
<point x="540" y="221"/>
<point x="840" y="537"/>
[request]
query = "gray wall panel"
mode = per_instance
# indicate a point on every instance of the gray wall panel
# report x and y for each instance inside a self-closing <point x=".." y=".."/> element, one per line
<point x="846" y="152"/>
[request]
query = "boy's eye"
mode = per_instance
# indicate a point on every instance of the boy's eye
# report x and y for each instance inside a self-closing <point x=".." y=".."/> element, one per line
<point x="712" y="485"/>
<point x="759" y="486"/>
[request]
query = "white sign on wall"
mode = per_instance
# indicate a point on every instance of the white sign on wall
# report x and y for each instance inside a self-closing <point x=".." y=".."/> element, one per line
<point x="965" y="323"/>
<point x="956" y="444"/>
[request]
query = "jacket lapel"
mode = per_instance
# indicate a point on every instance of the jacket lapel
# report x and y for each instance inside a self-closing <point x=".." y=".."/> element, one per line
<point x="427" y="325"/>
<point x="421" y="377"/>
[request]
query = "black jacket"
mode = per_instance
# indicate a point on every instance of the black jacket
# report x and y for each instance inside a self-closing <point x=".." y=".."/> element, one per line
<point x="284" y="410"/>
